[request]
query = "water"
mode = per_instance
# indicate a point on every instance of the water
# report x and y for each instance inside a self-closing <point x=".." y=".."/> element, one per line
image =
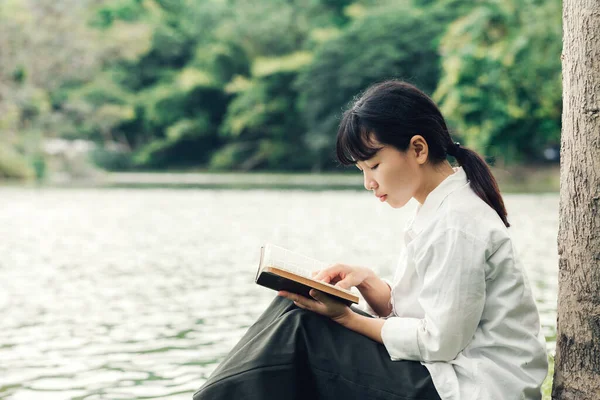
<point x="137" y="294"/>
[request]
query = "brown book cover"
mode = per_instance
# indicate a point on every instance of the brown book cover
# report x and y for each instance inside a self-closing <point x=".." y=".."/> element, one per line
<point x="282" y="269"/>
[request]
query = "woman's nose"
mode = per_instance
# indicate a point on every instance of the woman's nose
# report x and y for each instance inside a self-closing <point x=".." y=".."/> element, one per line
<point x="369" y="183"/>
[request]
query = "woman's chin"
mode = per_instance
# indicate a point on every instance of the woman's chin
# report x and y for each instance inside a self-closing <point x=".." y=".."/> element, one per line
<point x="395" y="204"/>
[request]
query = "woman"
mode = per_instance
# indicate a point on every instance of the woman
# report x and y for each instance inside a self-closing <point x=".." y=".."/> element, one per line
<point x="457" y="322"/>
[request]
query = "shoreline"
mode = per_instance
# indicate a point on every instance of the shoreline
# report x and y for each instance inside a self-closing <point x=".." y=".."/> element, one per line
<point x="522" y="179"/>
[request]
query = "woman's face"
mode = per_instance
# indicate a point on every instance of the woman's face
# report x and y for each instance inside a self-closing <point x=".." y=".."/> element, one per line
<point x="392" y="175"/>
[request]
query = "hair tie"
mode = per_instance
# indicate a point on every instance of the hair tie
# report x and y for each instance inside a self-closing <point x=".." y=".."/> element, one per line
<point x="454" y="149"/>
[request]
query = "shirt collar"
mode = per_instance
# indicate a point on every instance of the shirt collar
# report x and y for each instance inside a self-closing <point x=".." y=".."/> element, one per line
<point x="433" y="201"/>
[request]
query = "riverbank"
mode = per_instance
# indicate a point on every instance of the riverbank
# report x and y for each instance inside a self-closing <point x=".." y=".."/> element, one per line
<point x="522" y="179"/>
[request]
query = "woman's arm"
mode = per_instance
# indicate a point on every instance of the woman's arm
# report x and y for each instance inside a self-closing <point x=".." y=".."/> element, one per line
<point x="451" y="267"/>
<point x="377" y="294"/>
<point x="369" y="327"/>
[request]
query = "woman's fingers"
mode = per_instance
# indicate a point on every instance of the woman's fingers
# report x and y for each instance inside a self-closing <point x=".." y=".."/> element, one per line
<point x="329" y="273"/>
<point x="301" y="301"/>
<point x="335" y="280"/>
<point x="340" y="275"/>
<point x="316" y="275"/>
<point x="346" y="283"/>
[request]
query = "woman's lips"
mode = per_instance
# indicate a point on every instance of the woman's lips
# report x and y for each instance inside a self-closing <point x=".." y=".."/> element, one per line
<point x="383" y="198"/>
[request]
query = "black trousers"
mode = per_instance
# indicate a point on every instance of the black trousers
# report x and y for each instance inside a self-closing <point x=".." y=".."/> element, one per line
<point x="291" y="353"/>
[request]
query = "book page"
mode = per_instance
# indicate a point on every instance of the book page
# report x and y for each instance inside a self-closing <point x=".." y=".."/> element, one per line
<point x="275" y="256"/>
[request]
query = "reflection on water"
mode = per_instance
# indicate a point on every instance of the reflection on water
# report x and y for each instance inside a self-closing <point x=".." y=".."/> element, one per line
<point x="124" y="294"/>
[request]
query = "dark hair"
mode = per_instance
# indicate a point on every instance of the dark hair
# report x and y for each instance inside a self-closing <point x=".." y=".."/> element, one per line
<point x="393" y="112"/>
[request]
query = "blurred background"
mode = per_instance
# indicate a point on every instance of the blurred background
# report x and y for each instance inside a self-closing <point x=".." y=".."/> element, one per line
<point x="149" y="147"/>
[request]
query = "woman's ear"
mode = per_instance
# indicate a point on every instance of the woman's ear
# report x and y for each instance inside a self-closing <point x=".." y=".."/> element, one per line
<point x="419" y="148"/>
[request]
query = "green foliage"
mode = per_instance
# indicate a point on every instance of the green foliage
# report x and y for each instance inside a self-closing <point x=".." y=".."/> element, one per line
<point x="388" y="42"/>
<point x="501" y="86"/>
<point x="164" y="105"/>
<point x="262" y="126"/>
<point x="547" y="385"/>
<point x="111" y="160"/>
<point x="242" y="85"/>
<point x="14" y="165"/>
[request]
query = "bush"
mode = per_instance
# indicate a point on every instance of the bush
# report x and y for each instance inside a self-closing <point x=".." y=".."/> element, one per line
<point x="111" y="160"/>
<point x="14" y="165"/>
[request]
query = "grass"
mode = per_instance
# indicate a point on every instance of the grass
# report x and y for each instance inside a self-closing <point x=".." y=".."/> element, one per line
<point x="547" y="385"/>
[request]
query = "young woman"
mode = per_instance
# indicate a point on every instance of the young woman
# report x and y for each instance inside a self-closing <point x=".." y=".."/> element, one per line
<point x="457" y="322"/>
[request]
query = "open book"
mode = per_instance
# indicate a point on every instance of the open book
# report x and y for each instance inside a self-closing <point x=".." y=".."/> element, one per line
<point x="282" y="269"/>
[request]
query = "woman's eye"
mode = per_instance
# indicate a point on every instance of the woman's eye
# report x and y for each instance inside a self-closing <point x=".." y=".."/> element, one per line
<point x="375" y="166"/>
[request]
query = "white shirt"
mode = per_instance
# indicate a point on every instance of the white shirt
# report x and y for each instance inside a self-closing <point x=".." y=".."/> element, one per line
<point x="461" y="301"/>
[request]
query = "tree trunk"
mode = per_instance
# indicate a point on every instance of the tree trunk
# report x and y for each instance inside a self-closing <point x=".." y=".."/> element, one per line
<point x="577" y="362"/>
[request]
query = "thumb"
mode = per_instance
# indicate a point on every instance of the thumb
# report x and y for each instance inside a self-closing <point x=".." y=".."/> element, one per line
<point x="315" y="294"/>
<point x="320" y="296"/>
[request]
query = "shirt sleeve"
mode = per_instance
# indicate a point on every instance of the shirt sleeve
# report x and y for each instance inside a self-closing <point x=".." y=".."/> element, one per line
<point x="364" y="306"/>
<point x="452" y="273"/>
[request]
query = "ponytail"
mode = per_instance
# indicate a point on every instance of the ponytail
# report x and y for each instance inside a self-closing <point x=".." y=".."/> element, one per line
<point x="481" y="179"/>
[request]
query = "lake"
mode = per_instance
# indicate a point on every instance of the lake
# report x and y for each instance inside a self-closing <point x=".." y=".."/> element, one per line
<point x="139" y="293"/>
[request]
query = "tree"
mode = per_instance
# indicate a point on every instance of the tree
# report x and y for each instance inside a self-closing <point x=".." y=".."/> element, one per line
<point x="263" y="127"/>
<point x="46" y="50"/>
<point x="386" y="42"/>
<point x="577" y="362"/>
<point x="43" y="44"/>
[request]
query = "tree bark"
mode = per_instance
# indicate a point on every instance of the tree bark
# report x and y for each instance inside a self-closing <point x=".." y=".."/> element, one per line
<point x="577" y="362"/>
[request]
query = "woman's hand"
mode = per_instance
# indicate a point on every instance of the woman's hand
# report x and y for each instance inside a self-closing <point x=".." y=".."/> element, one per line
<point x="339" y="312"/>
<point x="321" y="304"/>
<point x="375" y="291"/>
<point x="342" y="275"/>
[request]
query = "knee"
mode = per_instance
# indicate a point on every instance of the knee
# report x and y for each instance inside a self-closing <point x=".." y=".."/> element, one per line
<point x="302" y="318"/>
<point x="279" y="306"/>
<point x="298" y="313"/>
